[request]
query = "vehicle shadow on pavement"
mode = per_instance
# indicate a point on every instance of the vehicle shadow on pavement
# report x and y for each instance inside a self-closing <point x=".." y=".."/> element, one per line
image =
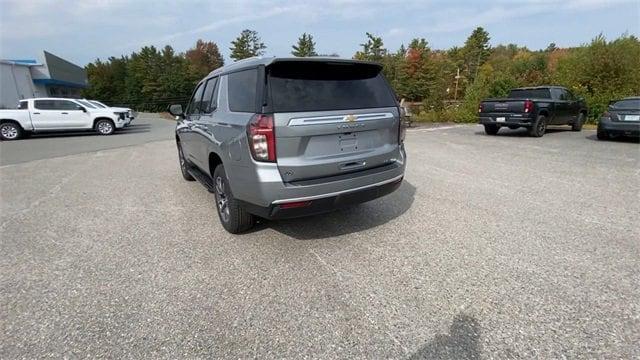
<point x="522" y="132"/>
<point x="133" y="129"/>
<point x="462" y="342"/>
<point x="620" y="139"/>
<point x="348" y="220"/>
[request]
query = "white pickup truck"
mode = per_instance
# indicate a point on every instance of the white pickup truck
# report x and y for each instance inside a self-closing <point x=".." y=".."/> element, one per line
<point x="58" y="114"/>
<point x="130" y="113"/>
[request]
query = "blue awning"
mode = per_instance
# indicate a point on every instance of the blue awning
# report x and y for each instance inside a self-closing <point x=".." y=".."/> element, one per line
<point x="55" y="82"/>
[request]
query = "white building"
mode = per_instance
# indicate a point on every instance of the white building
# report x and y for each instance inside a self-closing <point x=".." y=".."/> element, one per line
<point x="48" y="76"/>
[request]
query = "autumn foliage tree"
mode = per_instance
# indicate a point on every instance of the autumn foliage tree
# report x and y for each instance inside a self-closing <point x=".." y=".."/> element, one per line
<point x="203" y="58"/>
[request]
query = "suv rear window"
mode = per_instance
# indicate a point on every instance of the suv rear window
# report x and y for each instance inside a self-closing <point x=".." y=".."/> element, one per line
<point x="530" y="94"/>
<point x="629" y="104"/>
<point x="319" y="86"/>
<point x="242" y="90"/>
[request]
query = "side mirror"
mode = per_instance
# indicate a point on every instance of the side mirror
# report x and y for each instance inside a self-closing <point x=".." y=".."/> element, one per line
<point x="82" y="108"/>
<point x="176" y="110"/>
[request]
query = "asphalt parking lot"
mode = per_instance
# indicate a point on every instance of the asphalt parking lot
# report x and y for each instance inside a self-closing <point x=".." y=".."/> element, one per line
<point x="494" y="247"/>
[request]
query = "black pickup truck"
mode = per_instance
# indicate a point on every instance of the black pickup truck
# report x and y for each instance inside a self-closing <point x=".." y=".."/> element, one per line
<point x="533" y="108"/>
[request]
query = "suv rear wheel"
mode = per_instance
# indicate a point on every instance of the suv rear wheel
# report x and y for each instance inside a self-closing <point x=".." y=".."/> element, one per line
<point x="602" y="134"/>
<point x="491" y="129"/>
<point x="232" y="216"/>
<point x="539" y="126"/>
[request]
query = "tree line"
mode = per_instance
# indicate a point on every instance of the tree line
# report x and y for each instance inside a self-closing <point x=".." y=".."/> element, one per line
<point x="443" y="85"/>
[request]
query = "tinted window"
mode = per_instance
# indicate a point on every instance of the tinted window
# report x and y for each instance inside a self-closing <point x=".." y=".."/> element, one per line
<point x="23" y="105"/>
<point x="65" y="105"/>
<point x="242" y="90"/>
<point x="530" y="94"/>
<point x="316" y="86"/>
<point x="631" y="104"/>
<point x="56" y="105"/>
<point x="194" y="104"/>
<point x="208" y="104"/>
<point x="44" y="104"/>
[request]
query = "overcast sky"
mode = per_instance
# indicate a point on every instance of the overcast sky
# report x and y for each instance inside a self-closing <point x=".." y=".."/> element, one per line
<point x="81" y="31"/>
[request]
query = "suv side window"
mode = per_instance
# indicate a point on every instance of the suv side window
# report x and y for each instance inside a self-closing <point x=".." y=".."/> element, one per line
<point x="23" y="105"/>
<point x="196" y="99"/>
<point x="208" y="103"/>
<point x="242" y="90"/>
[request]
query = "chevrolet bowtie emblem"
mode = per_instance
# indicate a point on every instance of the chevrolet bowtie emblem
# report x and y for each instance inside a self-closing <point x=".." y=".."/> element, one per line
<point x="350" y="118"/>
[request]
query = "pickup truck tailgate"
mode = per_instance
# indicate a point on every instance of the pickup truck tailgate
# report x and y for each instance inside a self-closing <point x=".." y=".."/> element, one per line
<point x="503" y="106"/>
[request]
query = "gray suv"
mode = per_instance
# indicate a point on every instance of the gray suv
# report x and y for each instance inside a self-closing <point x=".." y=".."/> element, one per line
<point x="288" y="137"/>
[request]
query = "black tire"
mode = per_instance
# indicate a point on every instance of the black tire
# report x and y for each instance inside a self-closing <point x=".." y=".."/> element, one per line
<point x="491" y="129"/>
<point x="10" y="131"/>
<point x="577" y="125"/>
<point x="539" y="126"/>
<point x="105" y="127"/>
<point x="233" y="217"/>
<point x="183" y="165"/>
<point x="602" y="135"/>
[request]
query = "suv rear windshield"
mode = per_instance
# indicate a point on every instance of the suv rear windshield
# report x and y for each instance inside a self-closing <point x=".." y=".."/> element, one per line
<point x="629" y="104"/>
<point x="320" y="86"/>
<point x="530" y="94"/>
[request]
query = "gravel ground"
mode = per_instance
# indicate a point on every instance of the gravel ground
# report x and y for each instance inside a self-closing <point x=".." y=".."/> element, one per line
<point x="494" y="247"/>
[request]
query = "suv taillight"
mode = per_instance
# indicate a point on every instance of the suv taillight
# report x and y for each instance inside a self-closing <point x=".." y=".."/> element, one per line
<point x="262" y="138"/>
<point x="480" y="107"/>
<point x="528" y="106"/>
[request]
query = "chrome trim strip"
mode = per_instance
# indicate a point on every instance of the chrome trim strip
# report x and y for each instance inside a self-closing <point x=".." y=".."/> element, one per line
<point x="321" y="196"/>
<point x="334" y="119"/>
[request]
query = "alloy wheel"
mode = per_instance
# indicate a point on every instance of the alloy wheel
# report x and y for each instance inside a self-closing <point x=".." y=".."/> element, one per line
<point x="222" y="200"/>
<point x="105" y="127"/>
<point x="9" y="131"/>
<point x="542" y="126"/>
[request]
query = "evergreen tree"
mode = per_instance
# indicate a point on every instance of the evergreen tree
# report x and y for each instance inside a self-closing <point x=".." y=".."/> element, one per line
<point x="305" y="46"/>
<point x="246" y="45"/>
<point x="476" y="51"/>
<point x="372" y="50"/>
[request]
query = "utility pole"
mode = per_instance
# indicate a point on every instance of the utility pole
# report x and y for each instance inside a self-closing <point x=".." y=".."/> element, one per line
<point x="455" y="93"/>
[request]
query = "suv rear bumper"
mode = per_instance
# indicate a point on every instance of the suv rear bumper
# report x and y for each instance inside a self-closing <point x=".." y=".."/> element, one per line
<point x="619" y="127"/>
<point x="262" y="192"/>
<point x="324" y="204"/>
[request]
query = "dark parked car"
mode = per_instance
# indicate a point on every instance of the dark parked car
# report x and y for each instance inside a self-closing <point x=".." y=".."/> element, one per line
<point x="622" y="119"/>
<point x="533" y="108"/>
<point x="288" y="137"/>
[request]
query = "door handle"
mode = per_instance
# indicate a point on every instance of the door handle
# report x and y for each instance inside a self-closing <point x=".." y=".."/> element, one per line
<point x="65" y="113"/>
<point x="36" y="113"/>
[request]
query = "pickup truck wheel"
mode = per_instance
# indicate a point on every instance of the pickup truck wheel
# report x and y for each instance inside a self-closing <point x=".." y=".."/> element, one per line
<point x="105" y="127"/>
<point x="232" y="216"/>
<point x="10" y="131"/>
<point x="183" y="165"/>
<point x="577" y="125"/>
<point x="539" y="126"/>
<point x="491" y="129"/>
